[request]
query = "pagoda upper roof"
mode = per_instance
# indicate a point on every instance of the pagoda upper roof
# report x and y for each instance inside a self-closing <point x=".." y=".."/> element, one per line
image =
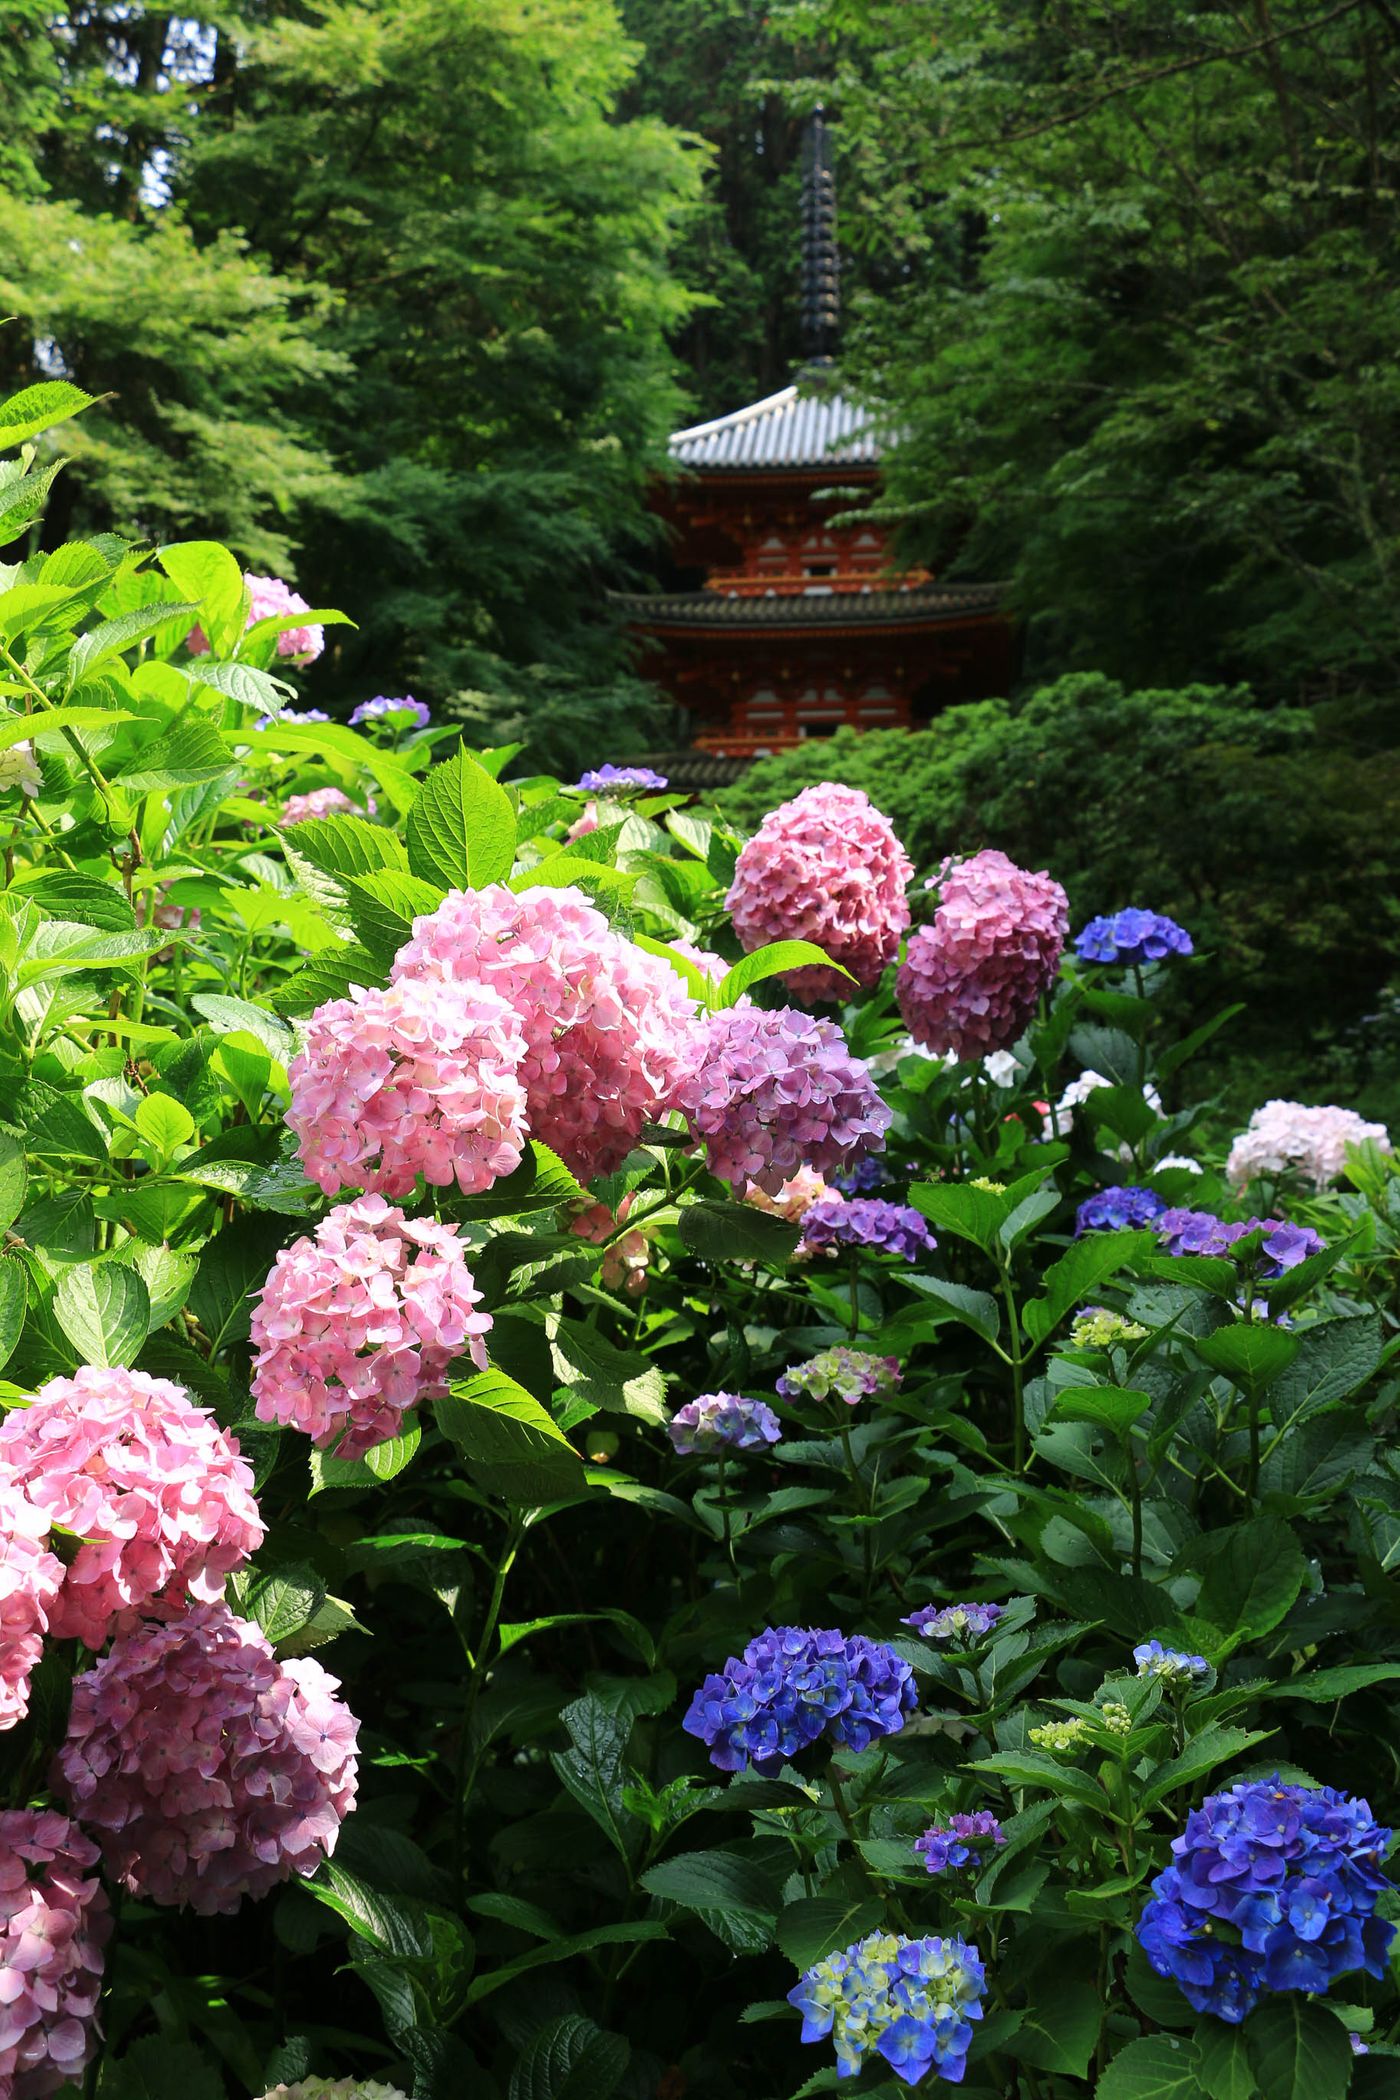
<point x="789" y="429"/>
<point x="926" y="605"/>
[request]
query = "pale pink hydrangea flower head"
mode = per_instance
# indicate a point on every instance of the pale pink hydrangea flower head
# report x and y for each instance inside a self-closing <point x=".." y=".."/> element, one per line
<point x="1285" y="1137"/>
<point x="30" y="1578"/>
<point x="272" y="599"/>
<point x="825" y="867"/>
<point x="54" y="1923"/>
<point x="625" y="1262"/>
<point x="972" y="978"/>
<point x="794" y="1199"/>
<point x="607" y="1027"/>
<point x="361" y="1322"/>
<point x="19" y="768"/>
<point x="773" y="1092"/>
<point x="321" y="802"/>
<point x="421" y="1078"/>
<point x="336" y="2089"/>
<point x="206" y="1769"/>
<point x="148" y="1482"/>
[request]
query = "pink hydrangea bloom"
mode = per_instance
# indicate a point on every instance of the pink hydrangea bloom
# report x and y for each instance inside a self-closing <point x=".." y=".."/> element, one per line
<point x="607" y="1026"/>
<point x="360" y="1323"/>
<point x="206" y="1769"/>
<point x="971" y="980"/>
<point x="585" y="822"/>
<point x="706" y="962"/>
<point x="336" y="2089"/>
<point x="771" y="1092"/>
<point x="1285" y="1137"/>
<point x="320" y="802"/>
<point x="30" y="1577"/>
<point x="420" y="1079"/>
<point x="272" y="599"/>
<point x="825" y="867"/>
<point x="147" y="1481"/>
<point x="794" y="1199"/>
<point x="624" y="1265"/>
<point x="54" y="1924"/>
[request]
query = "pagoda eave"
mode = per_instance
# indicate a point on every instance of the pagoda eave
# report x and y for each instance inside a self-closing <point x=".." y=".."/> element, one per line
<point x="831" y="615"/>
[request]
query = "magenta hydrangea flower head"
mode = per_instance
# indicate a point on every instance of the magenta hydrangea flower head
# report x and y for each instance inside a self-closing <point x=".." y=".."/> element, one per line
<point x="1284" y="1137"/>
<point x="361" y="1322"/>
<point x="319" y="802"/>
<point x="607" y="1027"/>
<point x="771" y="1092"/>
<point x="272" y="599"/>
<point x="30" y="1577"/>
<point x="421" y="1078"/>
<point x="153" y="1489"/>
<point x="825" y="867"/>
<point x="971" y="978"/>
<point x="207" y="1769"/>
<point x="54" y="1923"/>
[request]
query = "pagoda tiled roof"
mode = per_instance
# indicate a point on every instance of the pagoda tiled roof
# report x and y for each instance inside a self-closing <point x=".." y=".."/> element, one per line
<point x="789" y="429"/>
<point x="928" y="604"/>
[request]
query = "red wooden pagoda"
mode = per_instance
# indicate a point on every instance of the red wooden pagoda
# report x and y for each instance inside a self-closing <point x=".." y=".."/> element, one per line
<point x="791" y="625"/>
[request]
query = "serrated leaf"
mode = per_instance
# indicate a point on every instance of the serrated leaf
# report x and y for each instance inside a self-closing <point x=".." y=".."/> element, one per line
<point x="722" y="1232"/>
<point x="776" y="960"/>
<point x="570" y="2059"/>
<point x="1111" y="1407"/>
<point x="22" y="500"/>
<point x="1080" y="1270"/>
<point x="975" y="1309"/>
<point x="14" y="1294"/>
<point x="461" y="829"/>
<point x="1299" y="2050"/>
<point x="105" y="1311"/>
<point x="510" y="1445"/>
<point x="1225" y="2072"/>
<point x="282" y="1600"/>
<point x="597" y="1371"/>
<point x="14" y="1179"/>
<point x="230" y="1016"/>
<point x="36" y="408"/>
<point x="1251" y="1354"/>
<point x="1159" y="2067"/>
<point x="113" y="636"/>
<point x="816" y="1926"/>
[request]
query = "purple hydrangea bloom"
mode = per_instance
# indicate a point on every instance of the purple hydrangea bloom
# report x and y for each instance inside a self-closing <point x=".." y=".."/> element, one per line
<point x="1116" y="1209"/>
<point x="621" y="780"/>
<point x="381" y="704"/>
<point x="910" y="2001"/>
<point x="845" y="1374"/>
<point x="1201" y="1232"/>
<point x="954" y="1622"/>
<point x="1132" y="936"/>
<point x="866" y="1221"/>
<point x="1171" y="1664"/>
<point x="292" y="715"/>
<point x="794" y="1684"/>
<point x="867" y="1174"/>
<point x="954" y="1843"/>
<point x="723" y="1419"/>
<point x="1271" y="1887"/>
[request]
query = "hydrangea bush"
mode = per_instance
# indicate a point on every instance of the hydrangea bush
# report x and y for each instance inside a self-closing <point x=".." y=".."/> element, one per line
<point x="570" y="1527"/>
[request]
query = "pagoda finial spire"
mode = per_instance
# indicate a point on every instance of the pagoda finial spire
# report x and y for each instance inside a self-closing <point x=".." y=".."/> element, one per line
<point x="821" y="263"/>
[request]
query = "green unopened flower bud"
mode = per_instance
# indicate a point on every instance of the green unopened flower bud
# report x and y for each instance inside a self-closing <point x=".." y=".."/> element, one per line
<point x="1060" y="1735"/>
<point x="1115" y="1716"/>
<point x="1098" y="1328"/>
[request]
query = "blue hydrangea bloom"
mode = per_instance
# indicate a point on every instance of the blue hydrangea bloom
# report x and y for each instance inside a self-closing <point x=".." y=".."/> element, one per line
<point x="910" y="2001"/>
<point x="723" y="1419"/>
<point x="621" y="780"/>
<point x="1201" y="1232"/>
<point x="866" y="1221"/>
<point x="867" y="1174"/>
<point x="1272" y="1887"/>
<point x="1116" y="1209"/>
<point x="294" y="715"/>
<point x="1132" y="936"/>
<point x="794" y="1684"/>
<point x="381" y="704"/>
<point x="954" y="1622"/>
<point x="1153" y="1660"/>
<point x="956" y="1843"/>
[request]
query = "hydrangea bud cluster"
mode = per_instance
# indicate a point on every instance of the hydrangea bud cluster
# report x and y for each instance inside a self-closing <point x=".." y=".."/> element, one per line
<point x="825" y="867"/>
<point x="773" y="1091"/>
<point x="1098" y="1328"/>
<point x="845" y="1374"/>
<point x="421" y="1078"/>
<point x="964" y="1623"/>
<point x="54" y="1924"/>
<point x="1117" y="1209"/>
<point x="911" y="2002"/>
<point x="794" y="1684"/>
<point x="1132" y="936"/>
<point x="1284" y="1137"/>
<point x="794" y="1199"/>
<point x="206" y="1769"/>
<point x="868" y="1222"/>
<point x="1283" y="1247"/>
<point x="272" y="599"/>
<point x="723" y="1421"/>
<point x="1172" y="1665"/>
<point x="971" y="978"/>
<point x="1116" y="1717"/>
<point x="29" y="1582"/>
<point x="1060" y="1735"/>
<point x="625" y="1261"/>
<point x="375" y="710"/>
<point x="19" y="768"/>
<point x="617" y="781"/>
<point x="319" y="802"/>
<point x="153" y="1489"/>
<point x="958" y="1842"/>
<point x="360" y="1323"/>
<point x="1271" y="1887"/>
<point x="608" y="1028"/>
